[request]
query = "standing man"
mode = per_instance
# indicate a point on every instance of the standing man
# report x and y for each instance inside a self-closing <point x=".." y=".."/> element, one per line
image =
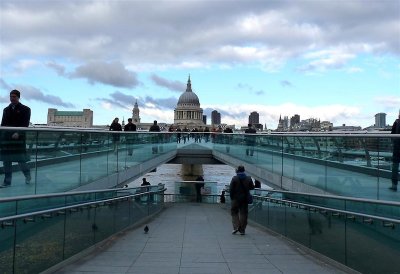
<point x="239" y="190"/>
<point x="130" y="138"/>
<point x="115" y="126"/>
<point x="250" y="140"/>
<point x="155" y="138"/>
<point x="396" y="154"/>
<point x="13" y="143"/>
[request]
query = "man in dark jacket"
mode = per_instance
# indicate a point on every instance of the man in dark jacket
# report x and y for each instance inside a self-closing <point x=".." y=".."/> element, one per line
<point x="130" y="138"/>
<point x="239" y="189"/>
<point x="396" y="154"/>
<point x="155" y="138"/>
<point x="13" y="143"/>
<point x="250" y="140"/>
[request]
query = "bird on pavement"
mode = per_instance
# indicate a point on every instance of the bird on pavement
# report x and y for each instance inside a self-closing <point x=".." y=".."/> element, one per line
<point x="146" y="229"/>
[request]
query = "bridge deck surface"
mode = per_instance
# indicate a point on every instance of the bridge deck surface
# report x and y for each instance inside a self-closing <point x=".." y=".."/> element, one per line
<point x="196" y="238"/>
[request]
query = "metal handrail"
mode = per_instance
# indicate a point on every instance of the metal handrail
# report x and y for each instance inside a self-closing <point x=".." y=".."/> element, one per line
<point x="46" y="211"/>
<point x="50" y="195"/>
<point x="345" y="198"/>
<point x="309" y="134"/>
<point x="345" y="212"/>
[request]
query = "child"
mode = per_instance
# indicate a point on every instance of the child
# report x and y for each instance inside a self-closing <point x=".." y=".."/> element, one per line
<point x="222" y="197"/>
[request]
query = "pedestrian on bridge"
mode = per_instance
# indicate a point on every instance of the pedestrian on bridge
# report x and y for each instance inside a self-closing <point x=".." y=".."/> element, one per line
<point x="130" y="138"/>
<point x="13" y="142"/>
<point x="239" y="191"/>
<point x="396" y="154"/>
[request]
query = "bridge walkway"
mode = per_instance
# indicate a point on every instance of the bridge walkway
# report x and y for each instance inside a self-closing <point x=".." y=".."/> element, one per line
<point x="196" y="238"/>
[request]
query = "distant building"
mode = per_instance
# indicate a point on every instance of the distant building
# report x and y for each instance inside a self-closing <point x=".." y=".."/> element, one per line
<point x="326" y="126"/>
<point x="294" y="121"/>
<point x="188" y="112"/>
<point x="205" y="119"/>
<point x="346" y="128"/>
<point x="70" y="118"/>
<point x="135" y="114"/>
<point x="380" y="120"/>
<point x="283" y="124"/>
<point x="254" y="118"/>
<point x="215" y="118"/>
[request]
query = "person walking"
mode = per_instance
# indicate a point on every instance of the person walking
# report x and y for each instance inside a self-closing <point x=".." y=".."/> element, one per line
<point x="396" y="154"/>
<point x="199" y="185"/>
<point x="13" y="143"/>
<point x="239" y="190"/>
<point x="115" y="126"/>
<point x="250" y="140"/>
<point x="130" y="138"/>
<point x="155" y="138"/>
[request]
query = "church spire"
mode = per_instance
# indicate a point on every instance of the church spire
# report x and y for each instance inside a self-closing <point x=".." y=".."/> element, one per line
<point x="189" y="85"/>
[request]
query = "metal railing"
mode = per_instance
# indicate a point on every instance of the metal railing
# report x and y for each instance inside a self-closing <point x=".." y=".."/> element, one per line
<point x="32" y="242"/>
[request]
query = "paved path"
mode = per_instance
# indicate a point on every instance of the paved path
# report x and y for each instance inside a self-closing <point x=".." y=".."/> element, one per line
<point x="196" y="238"/>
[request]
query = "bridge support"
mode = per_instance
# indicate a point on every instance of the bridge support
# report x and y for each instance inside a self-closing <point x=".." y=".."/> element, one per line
<point x="191" y="171"/>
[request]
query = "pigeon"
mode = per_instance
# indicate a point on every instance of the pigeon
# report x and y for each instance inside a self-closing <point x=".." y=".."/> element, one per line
<point x="146" y="229"/>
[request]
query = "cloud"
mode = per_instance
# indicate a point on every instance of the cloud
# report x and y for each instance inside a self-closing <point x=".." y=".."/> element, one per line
<point x="108" y="73"/>
<point x="59" y="69"/>
<point x="388" y="102"/>
<point x="250" y="89"/>
<point x="122" y="100"/>
<point x="175" y="86"/>
<point x="269" y="114"/>
<point x="32" y="93"/>
<point x="4" y="85"/>
<point x="286" y="83"/>
<point x="244" y="32"/>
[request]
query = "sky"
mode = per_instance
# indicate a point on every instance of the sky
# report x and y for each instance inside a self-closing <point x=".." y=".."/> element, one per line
<point x="330" y="60"/>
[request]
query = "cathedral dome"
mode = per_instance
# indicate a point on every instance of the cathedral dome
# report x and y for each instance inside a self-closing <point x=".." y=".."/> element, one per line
<point x="188" y="98"/>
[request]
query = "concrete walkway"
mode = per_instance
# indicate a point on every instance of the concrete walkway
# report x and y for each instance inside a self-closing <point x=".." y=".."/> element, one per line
<point x="196" y="238"/>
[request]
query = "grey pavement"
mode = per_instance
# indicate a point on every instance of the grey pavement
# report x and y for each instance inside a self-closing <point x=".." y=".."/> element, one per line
<point x="196" y="238"/>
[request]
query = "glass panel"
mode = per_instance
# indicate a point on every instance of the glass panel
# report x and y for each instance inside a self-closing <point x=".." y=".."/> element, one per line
<point x="94" y="157"/>
<point x="39" y="244"/>
<point x="8" y="208"/>
<point x="122" y="219"/>
<point x="79" y="230"/>
<point x="328" y="235"/>
<point x="276" y="217"/>
<point x="58" y="161"/>
<point x="31" y="205"/>
<point x="6" y="248"/>
<point x="296" y="225"/>
<point x="104" y="221"/>
<point x="372" y="248"/>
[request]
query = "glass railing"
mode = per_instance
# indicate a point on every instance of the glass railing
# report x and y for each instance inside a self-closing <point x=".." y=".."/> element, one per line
<point x="352" y="232"/>
<point x="357" y="165"/>
<point x="61" y="160"/>
<point x="36" y="239"/>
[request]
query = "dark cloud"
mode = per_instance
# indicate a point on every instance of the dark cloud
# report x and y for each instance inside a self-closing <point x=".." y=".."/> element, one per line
<point x="286" y="83"/>
<point x="215" y="32"/>
<point x="249" y="88"/>
<point x="108" y="73"/>
<point x="59" y="69"/>
<point x="127" y="101"/>
<point x="176" y="86"/>
<point x="32" y="93"/>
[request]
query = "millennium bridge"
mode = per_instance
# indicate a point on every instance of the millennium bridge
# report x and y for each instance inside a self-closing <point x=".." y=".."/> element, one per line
<point x="329" y="210"/>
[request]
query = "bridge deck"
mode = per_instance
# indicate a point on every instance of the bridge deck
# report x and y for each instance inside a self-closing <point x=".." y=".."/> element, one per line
<point x="196" y="238"/>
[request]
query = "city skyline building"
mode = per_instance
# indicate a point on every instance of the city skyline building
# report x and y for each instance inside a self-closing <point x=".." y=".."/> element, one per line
<point x="380" y="120"/>
<point x="254" y="118"/>
<point x="82" y="118"/>
<point x="188" y="112"/>
<point x="215" y="118"/>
